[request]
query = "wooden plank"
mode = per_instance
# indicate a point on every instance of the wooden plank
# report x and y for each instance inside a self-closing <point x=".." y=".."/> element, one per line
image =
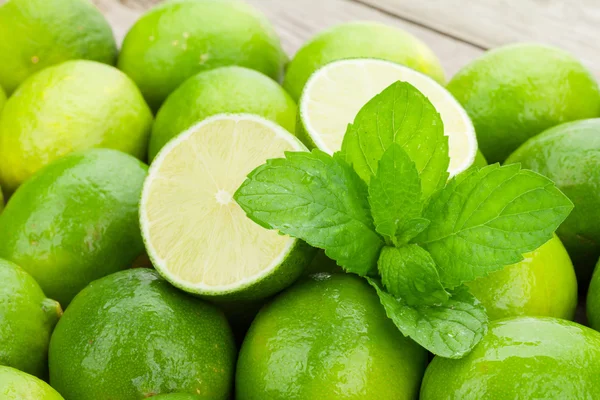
<point x="572" y="25"/>
<point x="298" y="20"/>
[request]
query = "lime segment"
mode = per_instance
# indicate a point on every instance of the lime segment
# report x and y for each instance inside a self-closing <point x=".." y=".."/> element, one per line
<point x="335" y="93"/>
<point x="196" y="235"/>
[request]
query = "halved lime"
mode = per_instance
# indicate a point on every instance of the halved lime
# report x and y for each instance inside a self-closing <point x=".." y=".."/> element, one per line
<point x="335" y="93"/>
<point x="196" y="235"/>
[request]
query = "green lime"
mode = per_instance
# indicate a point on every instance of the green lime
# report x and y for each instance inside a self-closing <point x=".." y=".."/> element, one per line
<point x="2" y="98"/>
<point x="327" y="338"/>
<point x="176" y="396"/>
<point x="569" y="154"/>
<point x="213" y="249"/>
<point x="75" y="221"/>
<point x="521" y="358"/>
<point x="17" y="385"/>
<point x="28" y="318"/>
<point x="515" y="92"/>
<point x="222" y="90"/>
<point x="360" y="39"/>
<point x="72" y="106"/>
<point x="180" y="38"/>
<point x="543" y="284"/>
<point x="40" y="33"/>
<point x="593" y="300"/>
<point x="132" y="335"/>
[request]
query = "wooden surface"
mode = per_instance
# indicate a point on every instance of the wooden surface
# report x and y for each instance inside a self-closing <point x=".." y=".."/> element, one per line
<point x="456" y="30"/>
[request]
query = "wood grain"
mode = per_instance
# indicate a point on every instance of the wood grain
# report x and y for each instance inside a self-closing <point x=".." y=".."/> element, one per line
<point x="570" y="24"/>
<point x="298" y="20"/>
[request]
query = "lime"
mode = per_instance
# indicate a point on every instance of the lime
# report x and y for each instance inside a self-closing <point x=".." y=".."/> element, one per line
<point x="569" y="154"/>
<point x="222" y="90"/>
<point x="543" y="284"/>
<point x="176" y="396"/>
<point x="196" y="235"/>
<point x="515" y="92"/>
<point x="75" y="221"/>
<point x="72" y="106"/>
<point x="521" y="358"/>
<point x="28" y="318"/>
<point x="2" y="98"/>
<point x="180" y="38"/>
<point x="327" y="338"/>
<point x="41" y="33"/>
<point x="335" y="93"/>
<point x="360" y="39"/>
<point x="593" y="300"/>
<point x="132" y="335"/>
<point x="17" y="385"/>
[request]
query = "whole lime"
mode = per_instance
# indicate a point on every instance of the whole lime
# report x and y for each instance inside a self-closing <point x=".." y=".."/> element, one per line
<point x="75" y="221"/>
<point x="327" y="338"/>
<point x="543" y="284"/>
<point x="2" y="98"/>
<point x="515" y="92"/>
<point x="180" y="38"/>
<point x="40" y="33"/>
<point x="360" y="40"/>
<point x="132" y="335"/>
<point x="28" y="318"/>
<point x="72" y="106"/>
<point x="569" y="154"/>
<point x="521" y="358"/>
<point x="222" y="90"/>
<point x="593" y="300"/>
<point x="18" y="385"/>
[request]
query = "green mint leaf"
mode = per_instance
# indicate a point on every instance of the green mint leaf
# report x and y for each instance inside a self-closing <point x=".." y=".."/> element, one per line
<point x="400" y="114"/>
<point x="449" y="330"/>
<point x="319" y="199"/>
<point x="409" y="230"/>
<point x="486" y="219"/>
<point x="395" y="196"/>
<point x="409" y="273"/>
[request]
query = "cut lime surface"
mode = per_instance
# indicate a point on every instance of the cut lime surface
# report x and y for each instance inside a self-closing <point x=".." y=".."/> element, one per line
<point x="196" y="235"/>
<point x="335" y="93"/>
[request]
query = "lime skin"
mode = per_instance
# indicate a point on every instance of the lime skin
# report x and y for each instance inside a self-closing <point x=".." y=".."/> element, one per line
<point x="18" y="385"/>
<point x="131" y="335"/>
<point x="521" y="358"/>
<point x="360" y="40"/>
<point x="514" y="92"/>
<point x="222" y="90"/>
<point x="327" y="338"/>
<point x="28" y="318"/>
<point x="40" y="33"/>
<point x="543" y="284"/>
<point x="69" y="107"/>
<point x="178" y="39"/>
<point x="569" y="154"/>
<point x="593" y="300"/>
<point x="176" y="396"/>
<point x="75" y="221"/>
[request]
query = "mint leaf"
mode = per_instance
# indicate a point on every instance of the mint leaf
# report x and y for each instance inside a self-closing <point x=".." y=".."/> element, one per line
<point x="409" y="273"/>
<point x="319" y="199"/>
<point x="395" y="196"/>
<point x="400" y="114"/>
<point x="486" y="219"/>
<point x="449" y="330"/>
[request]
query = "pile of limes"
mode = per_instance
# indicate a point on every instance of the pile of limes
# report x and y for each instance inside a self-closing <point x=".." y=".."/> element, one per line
<point x="127" y="270"/>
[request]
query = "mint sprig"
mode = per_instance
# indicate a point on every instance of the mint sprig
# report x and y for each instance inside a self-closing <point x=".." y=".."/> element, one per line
<point x="382" y="207"/>
<point x="319" y="199"/>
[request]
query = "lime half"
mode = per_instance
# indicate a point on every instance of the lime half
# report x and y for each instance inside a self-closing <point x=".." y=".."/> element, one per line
<point x="335" y="93"/>
<point x="196" y="235"/>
